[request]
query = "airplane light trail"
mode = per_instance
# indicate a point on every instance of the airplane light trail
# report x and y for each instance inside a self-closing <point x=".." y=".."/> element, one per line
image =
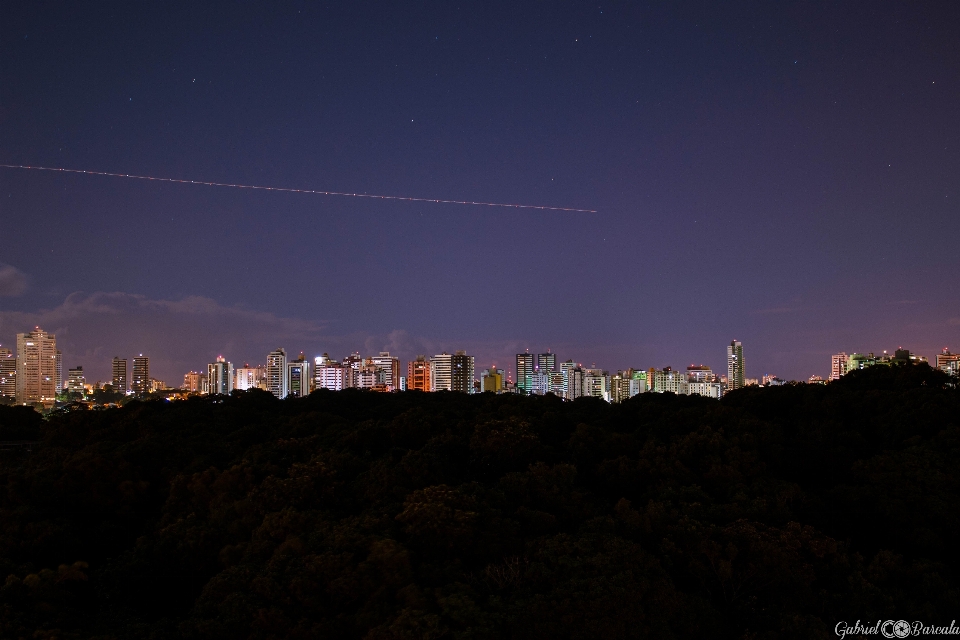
<point x="289" y="190"/>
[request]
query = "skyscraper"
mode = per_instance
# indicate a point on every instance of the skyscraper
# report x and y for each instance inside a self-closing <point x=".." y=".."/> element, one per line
<point x="390" y="366"/>
<point x="948" y="362"/>
<point x="546" y="362"/>
<point x="461" y="372"/>
<point x="419" y="375"/>
<point x="277" y="373"/>
<point x="525" y="368"/>
<point x="440" y="371"/>
<point x="735" y="365"/>
<point x="194" y="382"/>
<point x="141" y="375"/>
<point x="596" y="383"/>
<point x="298" y="377"/>
<point x="247" y="377"/>
<point x="36" y="367"/>
<point x="699" y="373"/>
<point x="219" y="376"/>
<point x="58" y="358"/>
<point x="76" y="380"/>
<point x="330" y="374"/>
<point x="566" y="369"/>
<point x="838" y="365"/>
<point x="8" y="374"/>
<point x="119" y="375"/>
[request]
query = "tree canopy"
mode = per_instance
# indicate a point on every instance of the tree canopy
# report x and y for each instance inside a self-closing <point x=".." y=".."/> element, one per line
<point x="773" y="513"/>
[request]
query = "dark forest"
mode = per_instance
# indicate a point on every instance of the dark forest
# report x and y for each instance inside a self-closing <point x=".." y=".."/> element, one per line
<point x="772" y="513"/>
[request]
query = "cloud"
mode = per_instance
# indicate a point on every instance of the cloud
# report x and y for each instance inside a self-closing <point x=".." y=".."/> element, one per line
<point x="178" y="335"/>
<point x="187" y="334"/>
<point x="13" y="282"/>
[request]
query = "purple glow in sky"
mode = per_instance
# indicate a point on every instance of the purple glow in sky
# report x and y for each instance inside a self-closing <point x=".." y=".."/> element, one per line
<point x="783" y="174"/>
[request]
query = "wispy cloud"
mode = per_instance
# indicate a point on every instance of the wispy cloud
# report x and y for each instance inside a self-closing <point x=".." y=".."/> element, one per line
<point x="178" y="335"/>
<point x="13" y="282"/>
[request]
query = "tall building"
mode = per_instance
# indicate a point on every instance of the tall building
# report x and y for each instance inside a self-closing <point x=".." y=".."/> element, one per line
<point x="547" y="362"/>
<point x="330" y="374"/>
<point x="641" y="377"/>
<point x="8" y="374"/>
<point x="194" y="382"/>
<point x="119" y="380"/>
<point x="75" y="380"/>
<point x="558" y="383"/>
<point x="247" y="377"/>
<point x="440" y="370"/>
<point x="539" y="383"/>
<point x="699" y="373"/>
<point x="390" y="365"/>
<point x="525" y="369"/>
<point x="461" y="372"/>
<point x="492" y="380"/>
<point x="36" y="367"/>
<point x="596" y="383"/>
<point x="220" y="377"/>
<point x="58" y="358"/>
<point x="622" y="387"/>
<point x="667" y="380"/>
<point x="948" y="362"/>
<point x="735" y="379"/>
<point x="565" y="370"/>
<point x="708" y="389"/>
<point x="838" y="365"/>
<point x="298" y="377"/>
<point x="277" y="373"/>
<point x="419" y="375"/>
<point x="368" y="377"/>
<point x="140" y="384"/>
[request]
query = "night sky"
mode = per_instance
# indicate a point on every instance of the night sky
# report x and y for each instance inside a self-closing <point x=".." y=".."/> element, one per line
<point x="784" y="174"/>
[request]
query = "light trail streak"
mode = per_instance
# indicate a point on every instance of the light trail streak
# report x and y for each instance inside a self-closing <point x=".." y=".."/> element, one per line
<point x="290" y="190"/>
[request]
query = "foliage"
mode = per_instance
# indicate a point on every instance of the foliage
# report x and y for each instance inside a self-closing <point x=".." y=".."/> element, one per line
<point x="773" y="513"/>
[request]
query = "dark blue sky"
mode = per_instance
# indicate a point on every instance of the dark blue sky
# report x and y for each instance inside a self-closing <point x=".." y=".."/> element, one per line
<point x="783" y="174"/>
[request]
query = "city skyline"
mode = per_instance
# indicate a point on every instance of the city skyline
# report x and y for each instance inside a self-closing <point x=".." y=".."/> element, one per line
<point x="507" y="362"/>
<point x="35" y="374"/>
<point x="780" y="173"/>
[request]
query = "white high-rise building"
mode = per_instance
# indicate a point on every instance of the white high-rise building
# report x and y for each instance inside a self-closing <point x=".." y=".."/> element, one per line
<point x="596" y="383"/>
<point x="329" y="374"/>
<point x="838" y="365"/>
<point x="539" y="382"/>
<point x="441" y="374"/>
<point x="390" y="365"/>
<point x="573" y="380"/>
<point x="59" y="373"/>
<point x="667" y="380"/>
<point x="247" y="377"/>
<point x="277" y="373"/>
<point x="36" y="367"/>
<point x="708" y="389"/>
<point x="220" y="376"/>
<point x="699" y="373"/>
